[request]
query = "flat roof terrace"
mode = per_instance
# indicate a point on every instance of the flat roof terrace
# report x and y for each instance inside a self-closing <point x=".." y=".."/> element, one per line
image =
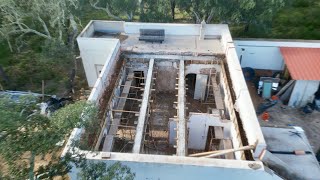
<point x="182" y="39"/>
<point x="173" y="45"/>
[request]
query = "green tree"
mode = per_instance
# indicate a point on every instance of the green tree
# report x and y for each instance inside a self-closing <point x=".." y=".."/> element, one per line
<point x="248" y="12"/>
<point x="156" y="11"/>
<point x="48" y="19"/>
<point x="26" y="134"/>
<point x="100" y="171"/>
<point x="116" y="9"/>
<point x="299" y="21"/>
<point x="259" y="13"/>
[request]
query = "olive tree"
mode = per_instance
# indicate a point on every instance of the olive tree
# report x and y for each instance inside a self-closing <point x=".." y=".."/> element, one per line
<point x="52" y="20"/>
<point x="231" y="11"/>
<point x="117" y="10"/>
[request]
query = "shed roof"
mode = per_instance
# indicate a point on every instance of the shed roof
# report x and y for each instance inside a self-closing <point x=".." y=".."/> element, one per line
<point x="302" y="63"/>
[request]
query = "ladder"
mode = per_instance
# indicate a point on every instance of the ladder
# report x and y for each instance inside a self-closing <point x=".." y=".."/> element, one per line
<point x="210" y="96"/>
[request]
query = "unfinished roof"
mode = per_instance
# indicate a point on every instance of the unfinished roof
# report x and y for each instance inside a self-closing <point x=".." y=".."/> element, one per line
<point x="170" y="104"/>
<point x="302" y="63"/>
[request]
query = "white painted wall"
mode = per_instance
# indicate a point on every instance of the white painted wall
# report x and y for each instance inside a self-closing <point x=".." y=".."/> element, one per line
<point x="200" y="87"/>
<point x="88" y="30"/>
<point x="164" y="171"/>
<point x="176" y="29"/>
<point x="268" y="58"/>
<point x="96" y="52"/>
<point x="111" y="26"/>
<point x="154" y="167"/>
<point x="264" y="54"/>
<point x="198" y="129"/>
<point x="277" y="43"/>
<point x="170" y="28"/>
<point x="303" y="93"/>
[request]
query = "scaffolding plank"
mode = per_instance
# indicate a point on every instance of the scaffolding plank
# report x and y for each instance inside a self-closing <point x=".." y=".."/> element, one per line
<point x="217" y="94"/>
<point x="108" y="142"/>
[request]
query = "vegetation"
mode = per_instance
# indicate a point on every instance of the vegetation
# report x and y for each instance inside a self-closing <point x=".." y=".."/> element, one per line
<point x="41" y="33"/>
<point x="29" y="136"/>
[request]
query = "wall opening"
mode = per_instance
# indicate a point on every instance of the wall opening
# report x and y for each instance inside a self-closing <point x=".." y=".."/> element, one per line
<point x="191" y="83"/>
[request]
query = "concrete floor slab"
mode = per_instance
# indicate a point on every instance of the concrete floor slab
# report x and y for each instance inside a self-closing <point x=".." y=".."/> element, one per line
<point x="287" y="140"/>
<point x="173" y="44"/>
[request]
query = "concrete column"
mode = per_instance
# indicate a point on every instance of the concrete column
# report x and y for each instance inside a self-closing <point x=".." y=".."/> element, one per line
<point x="143" y="110"/>
<point x="202" y="30"/>
<point x="182" y="123"/>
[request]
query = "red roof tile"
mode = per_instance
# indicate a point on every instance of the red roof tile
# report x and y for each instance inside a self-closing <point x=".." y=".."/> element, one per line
<point x="302" y="63"/>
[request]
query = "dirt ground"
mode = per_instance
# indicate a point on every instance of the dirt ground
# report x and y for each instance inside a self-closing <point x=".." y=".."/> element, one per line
<point x="282" y="115"/>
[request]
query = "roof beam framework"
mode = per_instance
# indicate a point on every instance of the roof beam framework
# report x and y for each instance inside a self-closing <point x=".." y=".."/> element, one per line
<point x="182" y="124"/>
<point x="143" y="110"/>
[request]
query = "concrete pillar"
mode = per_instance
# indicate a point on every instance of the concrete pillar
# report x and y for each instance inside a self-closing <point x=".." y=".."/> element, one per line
<point x="202" y="30"/>
<point x="182" y="122"/>
<point x="143" y="111"/>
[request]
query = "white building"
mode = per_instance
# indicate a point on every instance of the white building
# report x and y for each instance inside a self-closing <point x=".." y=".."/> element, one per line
<point x="301" y="59"/>
<point x="164" y="103"/>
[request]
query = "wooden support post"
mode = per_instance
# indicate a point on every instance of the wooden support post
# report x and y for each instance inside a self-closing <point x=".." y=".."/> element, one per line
<point x="135" y="99"/>
<point x="132" y="87"/>
<point x="223" y="152"/>
<point x="124" y="111"/>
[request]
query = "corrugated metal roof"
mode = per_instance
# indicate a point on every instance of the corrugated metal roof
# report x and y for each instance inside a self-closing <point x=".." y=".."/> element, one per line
<point x="302" y="63"/>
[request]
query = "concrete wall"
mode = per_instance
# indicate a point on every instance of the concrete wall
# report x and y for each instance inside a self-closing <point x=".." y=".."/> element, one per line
<point x="173" y="167"/>
<point x="243" y="100"/>
<point x="198" y="129"/>
<point x="88" y="30"/>
<point x="303" y="93"/>
<point x="175" y="29"/>
<point x="201" y="79"/>
<point x="134" y="27"/>
<point x="265" y="54"/>
<point x="166" y="171"/>
<point x="166" y="76"/>
<point x="111" y="26"/>
<point x="200" y="87"/>
<point x="268" y="58"/>
<point x="96" y="52"/>
<point x="199" y="68"/>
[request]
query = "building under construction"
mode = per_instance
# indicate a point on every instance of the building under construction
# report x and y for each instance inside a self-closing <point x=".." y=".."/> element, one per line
<point x="175" y="105"/>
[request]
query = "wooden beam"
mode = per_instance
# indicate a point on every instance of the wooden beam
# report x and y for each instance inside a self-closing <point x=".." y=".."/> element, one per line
<point x="132" y="87"/>
<point x="285" y="87"/>
<point x="128" y="98"/>
<point x="120" y="110"/>
<point x="223" y="152"/>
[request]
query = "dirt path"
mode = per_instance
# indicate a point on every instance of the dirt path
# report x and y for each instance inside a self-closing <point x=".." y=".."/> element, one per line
<point x="281" y="115"/>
